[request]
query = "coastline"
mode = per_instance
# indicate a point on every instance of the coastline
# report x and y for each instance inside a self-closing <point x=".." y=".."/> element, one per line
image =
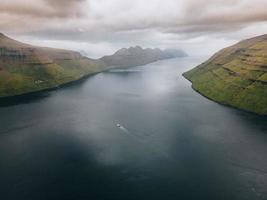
<point x="223" y="104"/>
<point x="51" y="88"/>
<point x="84" y="77"/>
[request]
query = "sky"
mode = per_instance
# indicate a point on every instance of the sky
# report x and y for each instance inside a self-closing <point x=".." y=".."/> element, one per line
<point x="100" y="27"/>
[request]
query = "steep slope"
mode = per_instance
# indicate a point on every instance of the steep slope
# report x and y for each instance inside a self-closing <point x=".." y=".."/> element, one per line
<point x="135" y="56"/>
<point x="25" y="68"/>
<point x="235" y="76"/>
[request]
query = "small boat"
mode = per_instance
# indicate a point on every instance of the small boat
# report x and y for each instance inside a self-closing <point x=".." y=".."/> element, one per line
<point x="118" y="125"/>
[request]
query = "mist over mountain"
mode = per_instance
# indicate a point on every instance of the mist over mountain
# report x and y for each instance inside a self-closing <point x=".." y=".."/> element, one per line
<point x="135" y="56"/>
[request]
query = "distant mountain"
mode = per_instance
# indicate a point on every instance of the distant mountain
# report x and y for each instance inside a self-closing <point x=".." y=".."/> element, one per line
<point x="25" y="68"/>
<point x="235" y="76"/>
<point x="135" y="56"/>
<point x="83" y="53"/>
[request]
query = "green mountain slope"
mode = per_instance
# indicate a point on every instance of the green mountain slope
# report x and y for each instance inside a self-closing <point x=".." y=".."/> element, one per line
<point x="235" y="76"/>
<point x="25" y="68"/>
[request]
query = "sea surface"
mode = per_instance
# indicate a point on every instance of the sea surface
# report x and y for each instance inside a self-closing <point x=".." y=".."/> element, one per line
<point x="139" y="133"/>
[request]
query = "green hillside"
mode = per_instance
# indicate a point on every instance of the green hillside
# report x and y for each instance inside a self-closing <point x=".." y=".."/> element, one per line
<point x="235" y="76"/>
<point x="25" y="68"/>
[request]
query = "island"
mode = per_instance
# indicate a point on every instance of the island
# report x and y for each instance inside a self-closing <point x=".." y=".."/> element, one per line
<point x="26" y="68"/>
<point x="235" y="76"/>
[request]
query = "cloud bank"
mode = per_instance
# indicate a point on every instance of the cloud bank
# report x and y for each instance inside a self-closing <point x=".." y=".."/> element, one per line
<point x="117" y="23"/>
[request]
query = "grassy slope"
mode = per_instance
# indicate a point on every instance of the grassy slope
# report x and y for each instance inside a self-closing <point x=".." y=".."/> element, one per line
<point x="31" y="68"/>
<point x="235" y="76"/>
<point x="30" y="78"/>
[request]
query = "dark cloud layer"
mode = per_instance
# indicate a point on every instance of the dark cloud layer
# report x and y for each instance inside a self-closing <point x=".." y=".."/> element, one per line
<point x="41" y="8"/>
<point x="124" y="21"/>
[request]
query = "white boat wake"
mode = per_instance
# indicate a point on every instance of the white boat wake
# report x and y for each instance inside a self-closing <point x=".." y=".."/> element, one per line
<point x="143" y="140"/>
<point x="124" y="130"/>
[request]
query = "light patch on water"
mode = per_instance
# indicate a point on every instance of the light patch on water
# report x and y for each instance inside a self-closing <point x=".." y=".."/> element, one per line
<point x="124" y="70"/>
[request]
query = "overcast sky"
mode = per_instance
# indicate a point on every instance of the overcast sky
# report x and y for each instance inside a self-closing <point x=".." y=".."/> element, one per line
<point x="100" y="27"/>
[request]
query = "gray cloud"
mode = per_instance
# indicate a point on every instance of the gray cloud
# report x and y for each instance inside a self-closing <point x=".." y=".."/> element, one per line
<point x="125" y="15"/>
<point x="123" y="22"/>
<point x="41" y="8"/>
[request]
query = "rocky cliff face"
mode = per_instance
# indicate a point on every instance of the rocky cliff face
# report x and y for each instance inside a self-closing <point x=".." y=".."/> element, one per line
<point x="235" y="76"/>
<point x="9" y="55"/>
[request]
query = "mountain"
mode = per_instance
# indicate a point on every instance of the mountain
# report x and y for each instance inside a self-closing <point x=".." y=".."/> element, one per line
<point x="235" y="76"/>
<point x="135" y="56"/>
<point x="25" y="68"/>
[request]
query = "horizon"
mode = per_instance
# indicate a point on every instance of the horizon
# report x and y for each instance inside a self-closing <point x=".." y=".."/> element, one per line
<point x="100" y="28"/>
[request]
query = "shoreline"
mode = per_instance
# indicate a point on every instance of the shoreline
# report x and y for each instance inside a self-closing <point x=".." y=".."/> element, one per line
<point x="51" y="88"/>
<point x="223" y="104"/>
<point x="12" y="97"/>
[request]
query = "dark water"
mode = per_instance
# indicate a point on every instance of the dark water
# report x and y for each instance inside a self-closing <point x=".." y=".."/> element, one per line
<point x="173" y="143"/>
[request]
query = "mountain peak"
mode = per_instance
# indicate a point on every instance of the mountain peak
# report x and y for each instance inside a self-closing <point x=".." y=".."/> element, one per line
<point x="138" y="47"/>
<point x="2" y="35"/>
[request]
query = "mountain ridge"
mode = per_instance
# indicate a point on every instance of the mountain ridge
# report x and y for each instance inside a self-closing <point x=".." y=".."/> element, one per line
<point x="134" y="56"/>
<point x="235" y="76"/>
<point x="27" y="68"/>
